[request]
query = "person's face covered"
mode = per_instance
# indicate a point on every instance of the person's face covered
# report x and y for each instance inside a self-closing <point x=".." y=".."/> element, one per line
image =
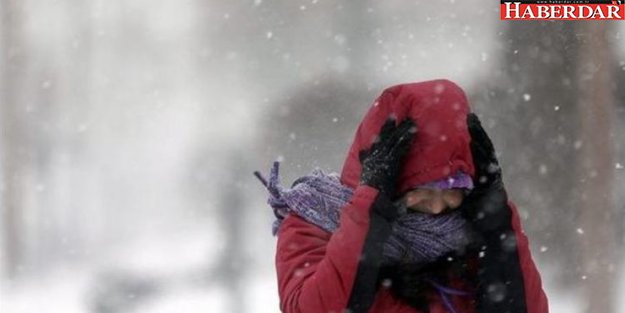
<point x="433" y="201"/>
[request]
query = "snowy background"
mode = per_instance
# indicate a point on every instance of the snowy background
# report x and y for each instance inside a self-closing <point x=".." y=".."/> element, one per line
<point x="130" y="130"/>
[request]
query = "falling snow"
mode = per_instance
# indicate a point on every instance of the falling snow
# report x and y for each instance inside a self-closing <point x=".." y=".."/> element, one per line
<point x="137" y="126"/>
<point x="527" y="97"/>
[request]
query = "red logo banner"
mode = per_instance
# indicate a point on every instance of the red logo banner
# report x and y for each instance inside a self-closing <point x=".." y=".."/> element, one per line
<point x="563" y="11"/>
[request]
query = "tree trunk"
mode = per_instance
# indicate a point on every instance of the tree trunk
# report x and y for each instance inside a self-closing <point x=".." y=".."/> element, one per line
<point x="13" y="60"/>
<point x="597" y="214"/>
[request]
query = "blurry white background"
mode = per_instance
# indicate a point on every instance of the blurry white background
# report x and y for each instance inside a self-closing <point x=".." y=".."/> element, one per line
<point x="130" y="130"/>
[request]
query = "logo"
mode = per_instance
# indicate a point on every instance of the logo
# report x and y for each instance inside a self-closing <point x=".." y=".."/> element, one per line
<point x="563" y="10"/>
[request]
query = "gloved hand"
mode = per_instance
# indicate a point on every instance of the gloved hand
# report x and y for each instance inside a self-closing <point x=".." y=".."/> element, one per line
<point x="487" y="205"/>
<point x="500" y="277"/>
<point x="382" y="162"/>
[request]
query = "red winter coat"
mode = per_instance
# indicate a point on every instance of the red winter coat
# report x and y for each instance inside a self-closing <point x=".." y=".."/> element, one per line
<point x="321" y="272"/>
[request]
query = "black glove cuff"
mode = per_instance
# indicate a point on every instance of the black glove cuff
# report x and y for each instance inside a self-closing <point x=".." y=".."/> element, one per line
<point x="384" y="207"/>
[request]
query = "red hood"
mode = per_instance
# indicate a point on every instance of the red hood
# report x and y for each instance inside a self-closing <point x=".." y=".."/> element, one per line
<point x="441" y="145"/>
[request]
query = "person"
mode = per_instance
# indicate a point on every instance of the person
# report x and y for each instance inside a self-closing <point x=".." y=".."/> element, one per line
<point x="418" y="221"/>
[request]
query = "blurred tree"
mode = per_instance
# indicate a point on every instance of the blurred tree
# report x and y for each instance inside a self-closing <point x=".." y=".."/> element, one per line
<point x="226" y="180"/>
<point x="595" y="171"/>
<point x="12" y="145"/>
<point x="37" y="129"/>
<point x="230" y="271"/>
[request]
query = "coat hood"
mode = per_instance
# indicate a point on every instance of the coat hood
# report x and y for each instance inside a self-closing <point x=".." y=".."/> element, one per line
<point x="441" y="145"/>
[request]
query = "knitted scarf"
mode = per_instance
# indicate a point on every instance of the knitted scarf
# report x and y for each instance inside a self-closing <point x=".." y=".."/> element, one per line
<point x="416" y="238"/>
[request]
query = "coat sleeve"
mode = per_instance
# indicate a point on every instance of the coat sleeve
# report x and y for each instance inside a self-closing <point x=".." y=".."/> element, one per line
<point x="535" y="297"/>
<point x="508" y="280"/>
<point x="322" y="272"/>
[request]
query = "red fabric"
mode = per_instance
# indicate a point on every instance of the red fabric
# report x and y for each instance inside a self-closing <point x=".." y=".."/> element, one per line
<point x="316" y="269"/>
<point x="441" y="147"/>
<point x="534" y="293"/>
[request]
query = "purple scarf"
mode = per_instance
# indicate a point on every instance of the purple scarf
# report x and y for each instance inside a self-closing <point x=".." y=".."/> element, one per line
<point x="417" y="238"/>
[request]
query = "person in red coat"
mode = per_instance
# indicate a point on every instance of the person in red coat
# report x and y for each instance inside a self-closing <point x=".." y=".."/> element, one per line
<point x="412" y="152"/>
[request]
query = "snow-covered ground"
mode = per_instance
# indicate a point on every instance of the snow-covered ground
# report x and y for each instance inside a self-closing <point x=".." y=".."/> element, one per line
<point x="171" y="265"/>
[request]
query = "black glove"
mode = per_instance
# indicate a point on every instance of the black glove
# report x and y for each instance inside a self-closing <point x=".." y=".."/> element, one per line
<point x="487" y="205"/>
<point x="382" y="163"/>
<point x="500" y="277"/>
